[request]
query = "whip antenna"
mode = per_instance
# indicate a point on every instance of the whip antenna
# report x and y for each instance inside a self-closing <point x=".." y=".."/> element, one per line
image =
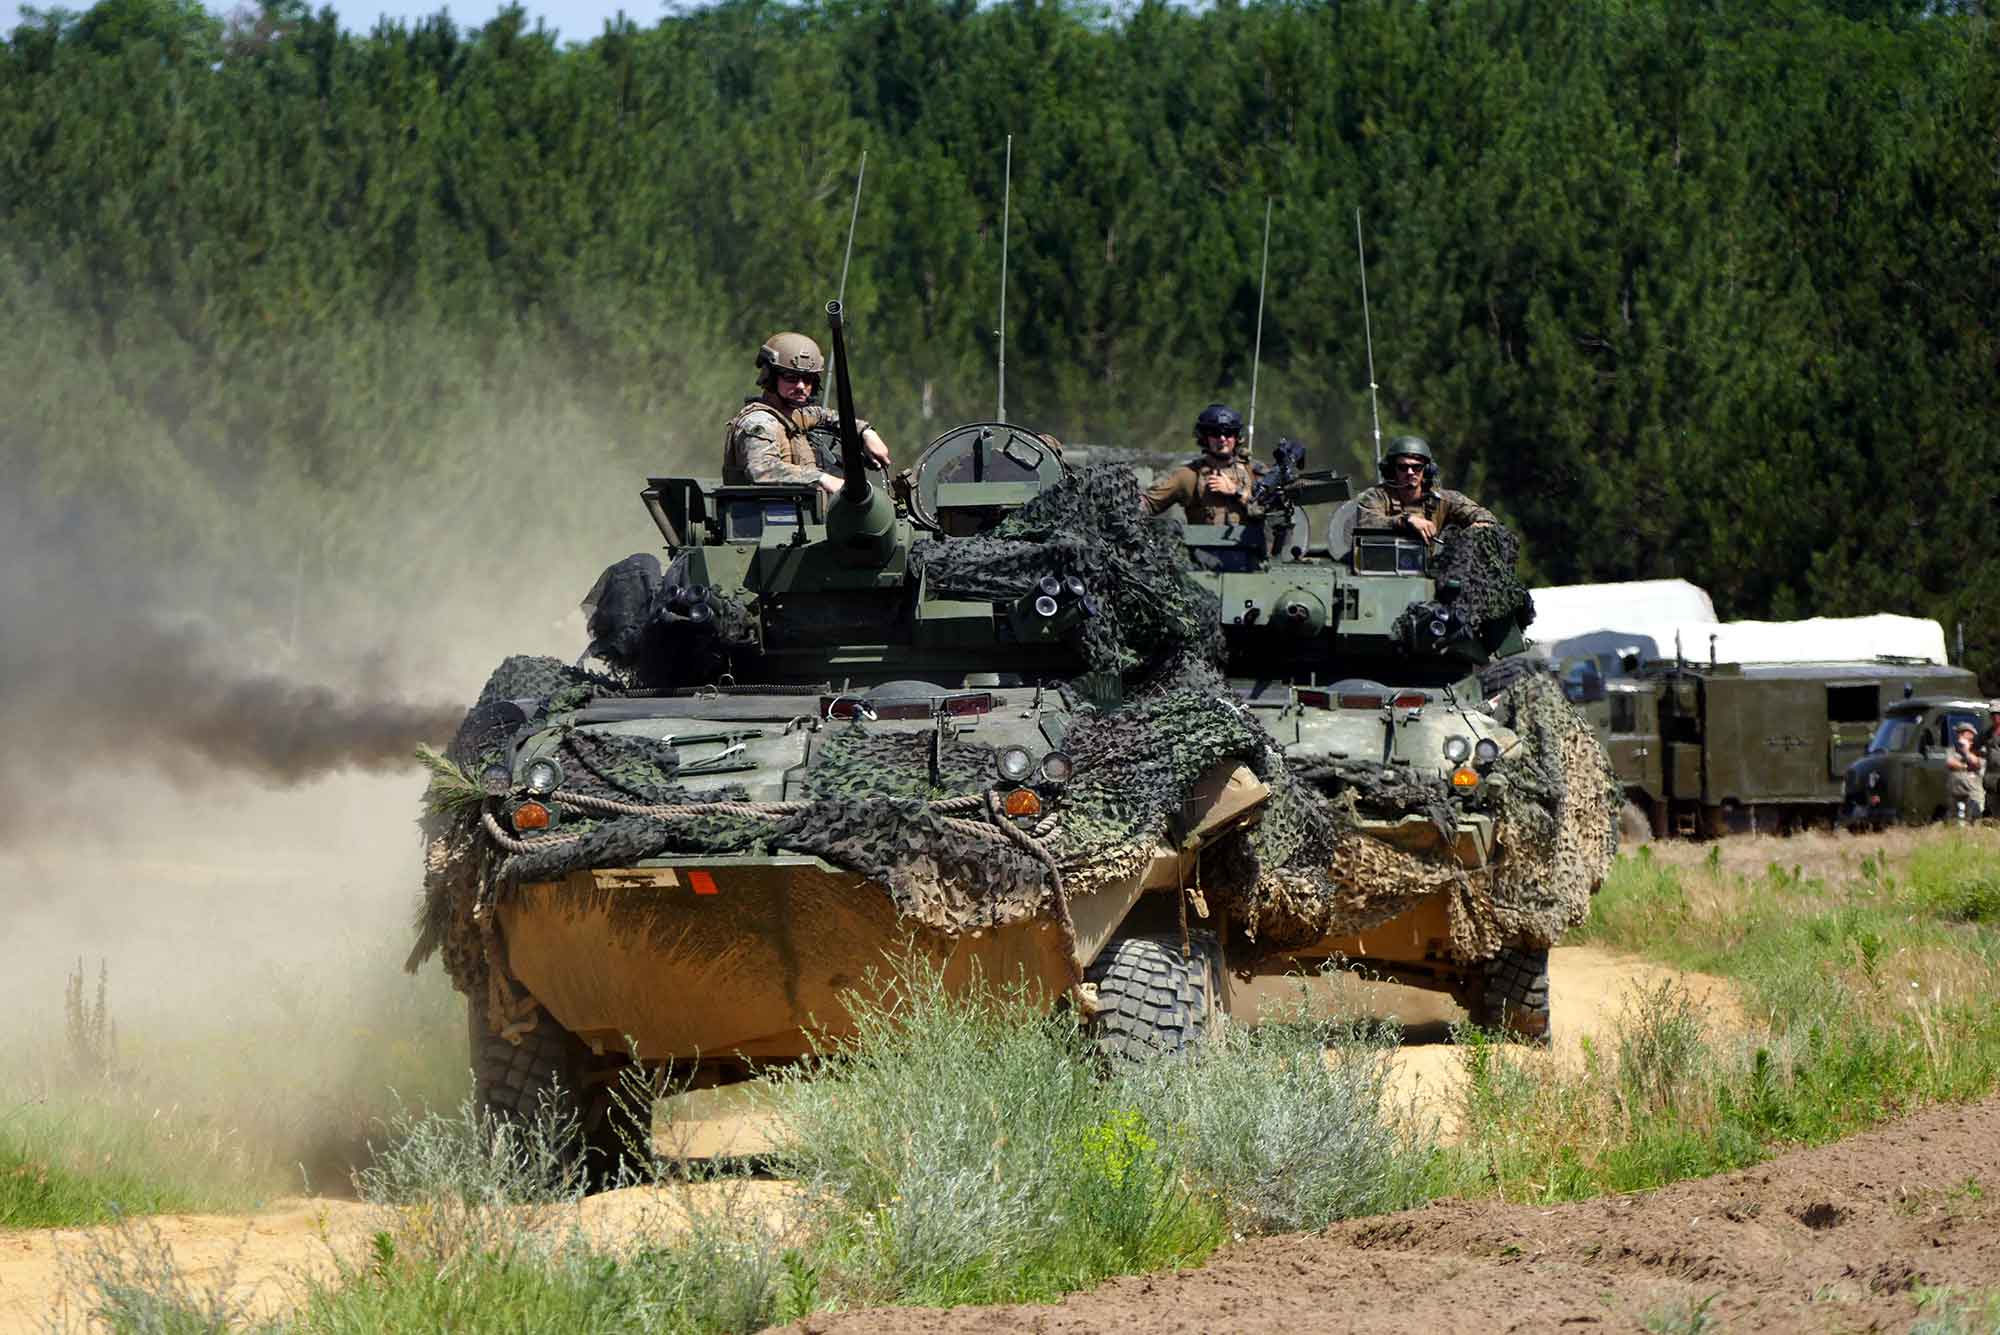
<point x="1006" y="212"/>
<point x="852" y="219"/>
<point x="1257" y="355"/>
<point x="1373" y="406"/>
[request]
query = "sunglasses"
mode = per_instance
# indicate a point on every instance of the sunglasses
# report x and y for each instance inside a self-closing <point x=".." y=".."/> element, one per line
<point x="803" y="377"/>
<point x="1403" y="466"/>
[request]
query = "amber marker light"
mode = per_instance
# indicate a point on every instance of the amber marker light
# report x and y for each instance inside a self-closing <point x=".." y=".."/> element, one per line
<point x="531" y="816"/>
<point x="1022" y="802"/>
<point x="1465" y="778"/>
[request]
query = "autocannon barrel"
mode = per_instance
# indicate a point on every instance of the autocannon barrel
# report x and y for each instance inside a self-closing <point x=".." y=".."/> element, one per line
<point x="854" y="488"/>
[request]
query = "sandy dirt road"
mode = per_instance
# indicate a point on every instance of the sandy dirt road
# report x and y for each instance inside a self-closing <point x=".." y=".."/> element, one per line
<point x="1869" y="1234"/>
<point x="266" y="1255"/>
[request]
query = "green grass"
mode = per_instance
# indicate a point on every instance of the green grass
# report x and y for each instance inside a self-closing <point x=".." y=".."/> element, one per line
<point x="1866" y="974"/>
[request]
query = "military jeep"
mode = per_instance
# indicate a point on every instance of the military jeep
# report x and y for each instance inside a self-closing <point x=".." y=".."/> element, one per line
<point x="1901" y="780"/>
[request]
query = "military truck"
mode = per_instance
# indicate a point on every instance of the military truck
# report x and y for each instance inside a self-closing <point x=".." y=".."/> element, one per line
<point x="988" y="728"/>
<point x="1901" y="778"/>
<point x="1708" y="749"/>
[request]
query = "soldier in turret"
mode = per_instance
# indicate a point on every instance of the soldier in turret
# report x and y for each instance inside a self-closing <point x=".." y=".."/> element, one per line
<point x="1215" y="487"/>
<point x="766" y="440"/>
<point x="1409" y="499"/>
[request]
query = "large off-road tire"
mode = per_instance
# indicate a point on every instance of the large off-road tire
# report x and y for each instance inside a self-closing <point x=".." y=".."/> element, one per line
<point x="552" y="1071"/>
<point x="1512" y="996"/>
<point x="1153" y="999"/>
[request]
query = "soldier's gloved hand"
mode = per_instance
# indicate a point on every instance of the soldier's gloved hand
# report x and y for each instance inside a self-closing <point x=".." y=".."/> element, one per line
<point x="829" y="484"/>
<point x="1422" y="527"/>
<point x="1219" y="484"/>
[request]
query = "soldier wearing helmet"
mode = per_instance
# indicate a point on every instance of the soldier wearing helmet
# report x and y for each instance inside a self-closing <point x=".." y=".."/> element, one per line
<point x="766" y="440"/>
<point x="1409" y="500"/>
<point x="1215" y="487"/>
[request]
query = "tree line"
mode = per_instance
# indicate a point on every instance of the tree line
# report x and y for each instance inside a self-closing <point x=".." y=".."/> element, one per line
<point x="1678" y="288"/>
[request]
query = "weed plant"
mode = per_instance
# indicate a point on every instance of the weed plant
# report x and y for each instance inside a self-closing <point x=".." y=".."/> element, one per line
<point x="960" y="1148"/>
<point x="1287" y="1125"/>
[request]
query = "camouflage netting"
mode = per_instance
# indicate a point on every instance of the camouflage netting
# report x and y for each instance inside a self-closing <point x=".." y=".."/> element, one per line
<point x="1479" y="593"/>
<point x="657" y="632"/>
<point x="1142" y="615"/>
<point x="1554" y="804"/>
<point x="907" y="808"/>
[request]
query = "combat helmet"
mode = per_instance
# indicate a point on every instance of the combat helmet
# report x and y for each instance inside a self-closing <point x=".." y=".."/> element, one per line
<point x="1218" y="419"/>
<point x="791" y="352"/>
<point x="1410" y="447"/>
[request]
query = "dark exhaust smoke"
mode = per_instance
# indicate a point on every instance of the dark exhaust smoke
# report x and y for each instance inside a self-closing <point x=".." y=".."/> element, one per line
<point x="94" y="672"/>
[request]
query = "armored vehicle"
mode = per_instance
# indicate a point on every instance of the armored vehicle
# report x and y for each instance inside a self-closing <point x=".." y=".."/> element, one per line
<point x="987" y="724"/>
<point x="1361" y="651"/>
<point x="1900" y="780"/>
<point x="1703" y="750"/>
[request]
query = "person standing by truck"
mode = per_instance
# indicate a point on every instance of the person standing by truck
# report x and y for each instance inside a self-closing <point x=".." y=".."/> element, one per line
<point x="1988" y="743"/>
<point x="1963" y="764"/>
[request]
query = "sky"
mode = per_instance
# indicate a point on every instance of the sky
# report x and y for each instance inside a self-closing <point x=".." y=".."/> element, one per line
<point x="575" y="20"/>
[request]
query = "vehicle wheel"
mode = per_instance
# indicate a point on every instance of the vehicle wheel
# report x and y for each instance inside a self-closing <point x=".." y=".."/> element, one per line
<point x="554" y="1069"/>
<point x="1513" y="995"/>
<point x="1634" y="828"/>
<point x="1152" y="998"/>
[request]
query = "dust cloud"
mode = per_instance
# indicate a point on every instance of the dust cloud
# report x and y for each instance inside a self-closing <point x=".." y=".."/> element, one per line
<point x="221" y="816"/>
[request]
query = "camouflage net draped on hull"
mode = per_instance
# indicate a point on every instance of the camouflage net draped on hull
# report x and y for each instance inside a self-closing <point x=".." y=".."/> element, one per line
<point x="1554" y="803"/>
<point x="877" y="804"/>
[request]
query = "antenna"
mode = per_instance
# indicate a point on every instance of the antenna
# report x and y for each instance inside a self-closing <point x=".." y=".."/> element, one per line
<point x="852" y="219"/>
<point x="1367" y="332"/>
<point x="1006" y="213"/>
<point x="1257" y="356"/>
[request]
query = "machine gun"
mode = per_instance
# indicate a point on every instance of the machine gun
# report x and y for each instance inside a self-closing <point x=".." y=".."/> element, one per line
<point x="1274" y="494"/>
<point x="1273" y="490"/>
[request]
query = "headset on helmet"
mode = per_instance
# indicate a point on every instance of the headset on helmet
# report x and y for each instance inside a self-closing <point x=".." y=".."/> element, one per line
<point x="1409" y="447"/>
<point x="1218" y="419"/>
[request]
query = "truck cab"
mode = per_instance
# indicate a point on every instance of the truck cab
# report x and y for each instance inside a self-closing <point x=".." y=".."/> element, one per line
<point x="1901" y="779"/>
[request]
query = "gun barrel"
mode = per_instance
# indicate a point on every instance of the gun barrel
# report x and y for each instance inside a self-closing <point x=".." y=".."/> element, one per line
<point x="854" y="488"/>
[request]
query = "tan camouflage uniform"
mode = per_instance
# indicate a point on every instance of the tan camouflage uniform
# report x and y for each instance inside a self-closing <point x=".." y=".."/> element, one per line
<point x="1962" y="786"/>
<point x="1447" y="509"/>
<point x="1183" y="487"/>
<point x="763" y="443"/>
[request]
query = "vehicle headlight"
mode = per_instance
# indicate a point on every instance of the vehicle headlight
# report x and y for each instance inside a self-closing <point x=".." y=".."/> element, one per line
<point x="1016" y="764"/>
<point x="1487" y="751"/>
<point x="1457" y="749"/>
<point x="1057" y="767"/>
<point x="544" y="776"/>
<point x="497" y="780"/>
